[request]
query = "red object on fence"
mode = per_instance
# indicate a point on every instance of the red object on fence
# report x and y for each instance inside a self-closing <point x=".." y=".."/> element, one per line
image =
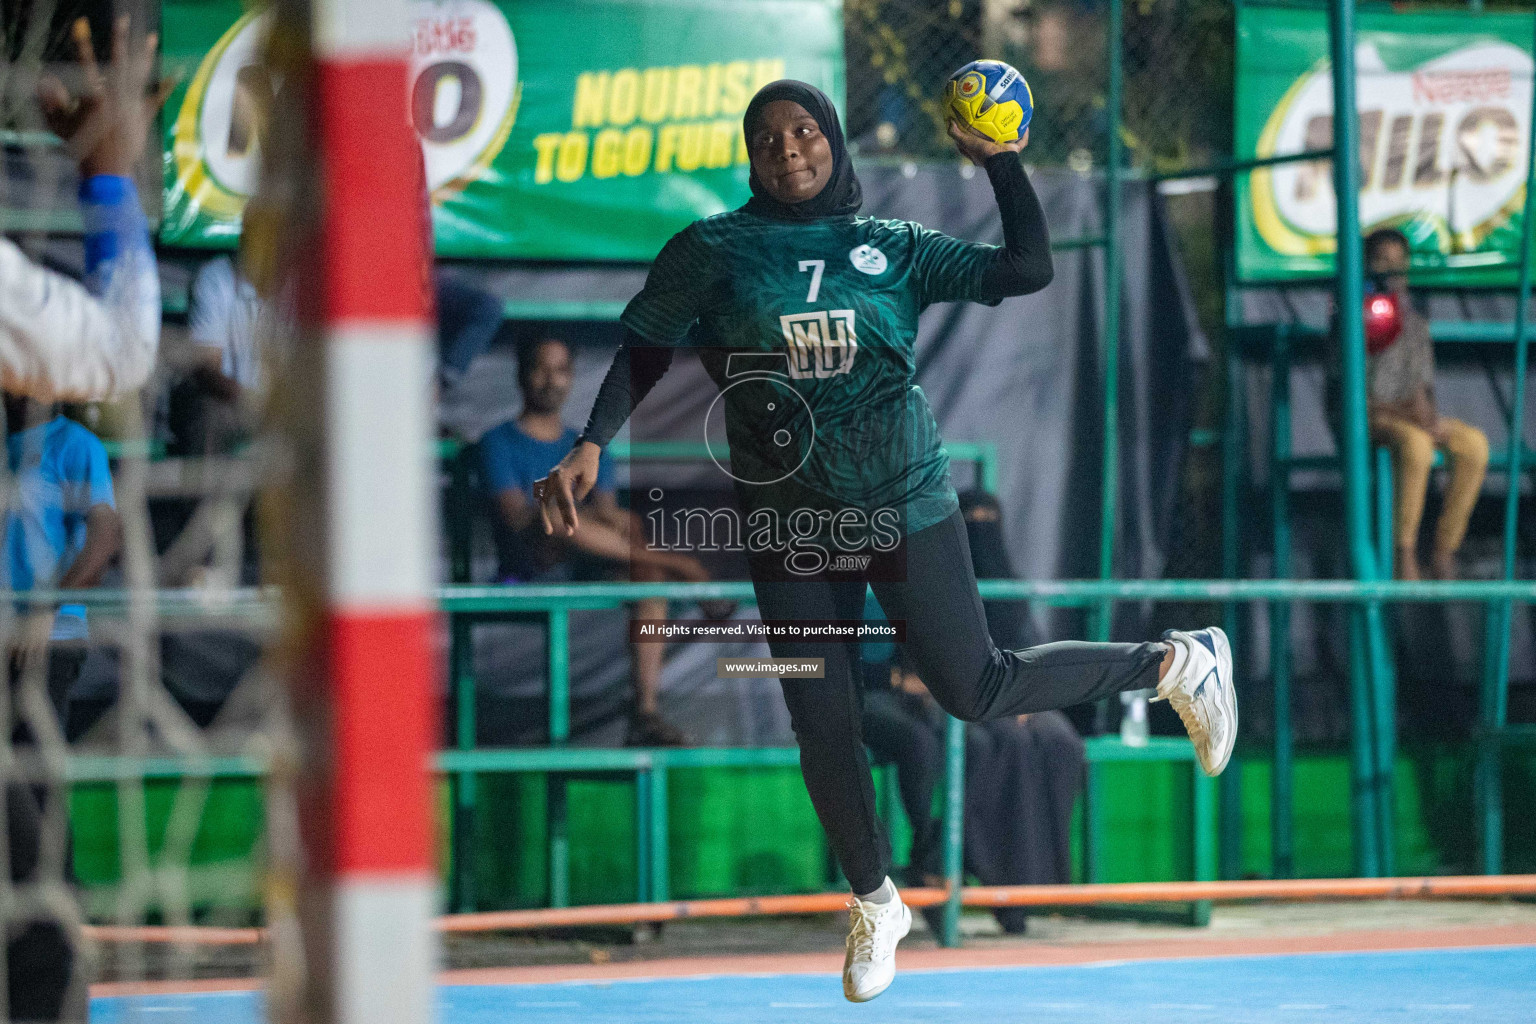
<point x="1383" y="321"/>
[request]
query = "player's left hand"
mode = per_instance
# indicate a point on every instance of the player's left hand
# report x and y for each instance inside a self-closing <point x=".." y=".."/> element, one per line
<point x="107" y="125"/>
<point x="568" y="483"/>
<point x="977" y="149"/>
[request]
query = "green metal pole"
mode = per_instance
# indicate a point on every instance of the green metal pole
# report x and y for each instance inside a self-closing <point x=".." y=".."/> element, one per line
<point x="660" y="858"/>
<point x="1110" y="345"/>
<point x="1348" y="297"/>
<point x="1495" y="690"/>
<point x="1093" y="825"/>
<point x="954" y="826"/>
<point x="986" y="467"/>
<point x="462" y="659"/>
<point x="1384" y="488"/>
<point x="1384" y="694"/>
<point x="1233" y="451"/>
<point x="460" y="524"/>
<point x="1203" y="811"/>
<point x="1362" y="752"/>
<point x="1280" y="813"/>
<point x="559" y="653"/>
<point x="1386" y="686"/>
<point x="559" y="865"/>
<point x="642" y="835"/>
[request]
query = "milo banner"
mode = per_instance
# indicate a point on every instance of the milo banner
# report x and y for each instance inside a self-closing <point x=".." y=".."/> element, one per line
<point x="553" y="129"/>
<point x="1444" y="104"/>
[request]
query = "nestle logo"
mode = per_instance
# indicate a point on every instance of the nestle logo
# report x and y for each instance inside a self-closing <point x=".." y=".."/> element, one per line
<point x="1462" y="86"/>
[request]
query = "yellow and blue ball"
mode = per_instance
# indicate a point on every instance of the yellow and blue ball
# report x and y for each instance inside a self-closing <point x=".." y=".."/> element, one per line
<point x="991" y="99"/>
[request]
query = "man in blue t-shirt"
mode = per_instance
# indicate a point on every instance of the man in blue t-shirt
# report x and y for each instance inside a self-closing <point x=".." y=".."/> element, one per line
<point x="61" y="532"/>
<point x="606" y="544"/>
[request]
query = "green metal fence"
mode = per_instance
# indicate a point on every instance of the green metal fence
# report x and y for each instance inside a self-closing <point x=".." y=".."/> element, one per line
<point x="900" y="51"/>
<point x="551" y="605"/>
<point x="1372" y="674"/>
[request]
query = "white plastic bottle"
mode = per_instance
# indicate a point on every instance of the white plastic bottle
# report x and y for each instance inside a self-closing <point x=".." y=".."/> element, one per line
<point x="1133" y="718"/>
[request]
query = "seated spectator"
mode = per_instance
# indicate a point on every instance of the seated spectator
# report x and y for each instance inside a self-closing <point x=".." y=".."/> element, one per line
<point x="989" y="556"/>
<point x="212" y="409"/>
<point x="61" y="532"/>
<point x="607" y="544"/>
<point x="1400" y="405"/>
<point x="1022" y="775"/>
<point x="231" y="326"/>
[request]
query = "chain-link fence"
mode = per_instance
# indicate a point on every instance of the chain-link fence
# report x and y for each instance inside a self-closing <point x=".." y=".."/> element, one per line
<point x="1177" y="60"/>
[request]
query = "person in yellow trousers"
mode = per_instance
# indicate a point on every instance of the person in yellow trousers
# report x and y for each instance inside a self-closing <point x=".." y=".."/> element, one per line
<point x="1400" y="403"/>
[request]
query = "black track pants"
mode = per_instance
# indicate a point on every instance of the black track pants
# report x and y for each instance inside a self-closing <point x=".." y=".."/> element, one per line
<point x="934" y="593"/>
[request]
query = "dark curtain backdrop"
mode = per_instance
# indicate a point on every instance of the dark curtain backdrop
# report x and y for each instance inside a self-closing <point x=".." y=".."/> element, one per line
<point x="1026" y="375"/>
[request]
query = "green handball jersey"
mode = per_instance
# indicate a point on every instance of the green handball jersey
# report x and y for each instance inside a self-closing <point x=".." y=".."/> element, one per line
<point x="808" y="329"/>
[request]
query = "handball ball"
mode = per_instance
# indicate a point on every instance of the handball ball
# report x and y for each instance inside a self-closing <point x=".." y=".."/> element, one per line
<point x="991" y="99"/>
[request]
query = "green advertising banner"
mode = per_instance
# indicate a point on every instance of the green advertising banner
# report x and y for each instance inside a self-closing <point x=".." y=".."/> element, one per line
<point x="1444" y="100"/>
<point x="553" y="129"/>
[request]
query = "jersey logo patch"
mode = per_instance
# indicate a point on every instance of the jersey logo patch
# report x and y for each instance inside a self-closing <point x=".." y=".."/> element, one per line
<point x="821" y="344"/>
<point x="866" y="259"/>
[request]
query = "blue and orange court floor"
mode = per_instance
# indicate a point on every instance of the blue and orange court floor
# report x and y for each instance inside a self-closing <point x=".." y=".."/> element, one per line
<point x="1463" y="975"/>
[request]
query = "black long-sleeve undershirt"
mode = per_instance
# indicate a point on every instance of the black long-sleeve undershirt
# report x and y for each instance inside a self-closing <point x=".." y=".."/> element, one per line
<point x="637" y="366"/>
<point x="1021" y="266"/>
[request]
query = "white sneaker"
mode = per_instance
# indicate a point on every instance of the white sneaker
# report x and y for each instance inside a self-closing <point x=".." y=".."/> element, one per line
<point x="873" y="931"/>
<point x="1199" y="687"/>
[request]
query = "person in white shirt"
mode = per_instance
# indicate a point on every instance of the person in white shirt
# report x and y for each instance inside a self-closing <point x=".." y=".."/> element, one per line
<point x="223" y="321"/>
<point x="59" y="339"/>
<point x="215" y="408"/>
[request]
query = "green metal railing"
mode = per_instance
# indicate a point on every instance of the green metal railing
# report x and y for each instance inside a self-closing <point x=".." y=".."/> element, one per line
<point x="1372" y="674"/>
<point x="650" y="770"/>
<point x="260" y="603"/>
<point x="1278" y="345"/>
<point x="1494" y="696"/>
<point x="982" y="455"/>
<point x="551" y="605"/>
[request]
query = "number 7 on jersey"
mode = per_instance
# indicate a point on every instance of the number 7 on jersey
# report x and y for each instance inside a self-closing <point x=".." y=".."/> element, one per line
<point x="815" y="267"/>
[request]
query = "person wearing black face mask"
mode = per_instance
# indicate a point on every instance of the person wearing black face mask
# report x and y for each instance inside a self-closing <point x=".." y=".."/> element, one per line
<point x="844" y="441"/>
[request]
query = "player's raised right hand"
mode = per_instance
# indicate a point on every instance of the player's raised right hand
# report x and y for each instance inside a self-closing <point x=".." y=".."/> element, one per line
<point x="569" y="482"/>
<point x="977" y="149"/>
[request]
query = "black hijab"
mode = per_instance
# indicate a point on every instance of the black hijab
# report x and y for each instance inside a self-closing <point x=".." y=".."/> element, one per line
<point x="841" y="196"/>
